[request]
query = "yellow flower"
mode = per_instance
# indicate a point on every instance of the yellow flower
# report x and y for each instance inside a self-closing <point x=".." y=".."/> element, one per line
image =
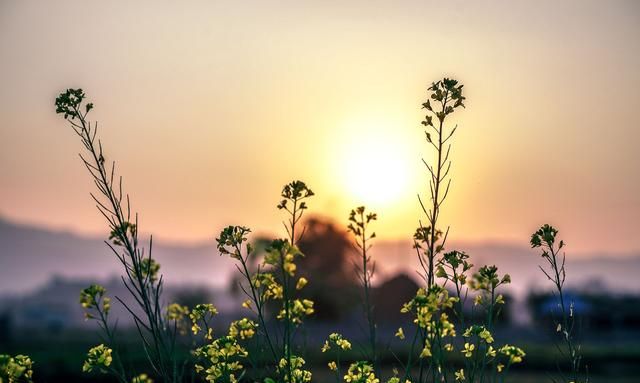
<point x="246" y="304"/>
<point x="460" y="375"/>
<point x="468" y="350"/>
<point x="98" y="357"/>
<point x="400" y="333"/>
<point x="500" y="367"/>
<point x="499" y="299"/>
<point x="448" y="347"/>
<point x="245" y="328"/>
<point x="332" y="366"/>
<point x="426" y="352"/>
<point x="142" y="378"/>
<point x="477" y="300"/>
<point x="486" y="336"/>
<point x="302" y="282"/>
<point x="491" y="352"/>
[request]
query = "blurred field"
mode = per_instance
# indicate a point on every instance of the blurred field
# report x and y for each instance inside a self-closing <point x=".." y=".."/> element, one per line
<point x="59" y="357"/>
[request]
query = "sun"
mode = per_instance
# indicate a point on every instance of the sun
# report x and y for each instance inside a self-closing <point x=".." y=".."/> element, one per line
<point x="375" y="168"/>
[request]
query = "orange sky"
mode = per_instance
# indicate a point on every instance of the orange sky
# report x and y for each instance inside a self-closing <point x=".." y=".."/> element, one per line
<point x="210" y="106"/>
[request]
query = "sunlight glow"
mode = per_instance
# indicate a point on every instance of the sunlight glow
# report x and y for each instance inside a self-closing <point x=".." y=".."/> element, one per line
<point x="375" y="167"/>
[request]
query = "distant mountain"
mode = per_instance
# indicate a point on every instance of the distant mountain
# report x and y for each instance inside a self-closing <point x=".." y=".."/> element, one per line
<point x="31" y="256"/>
<point x="616" y="273"/>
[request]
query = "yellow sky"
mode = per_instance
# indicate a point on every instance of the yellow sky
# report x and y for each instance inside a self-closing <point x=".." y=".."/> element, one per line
<point x="210" y="106"/>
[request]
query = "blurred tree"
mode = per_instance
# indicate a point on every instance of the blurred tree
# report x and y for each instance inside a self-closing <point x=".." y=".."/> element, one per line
<point x="329" y="266"/>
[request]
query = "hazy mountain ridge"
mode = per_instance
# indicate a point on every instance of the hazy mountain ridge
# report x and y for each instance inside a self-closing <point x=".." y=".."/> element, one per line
<point x="30" y="256"/>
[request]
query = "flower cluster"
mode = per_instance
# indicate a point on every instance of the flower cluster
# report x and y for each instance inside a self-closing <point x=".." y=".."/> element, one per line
<point x="15" y="369"/>
<point x="220" y="360"/>
<point x="480" y="331"/>
<point x="120" y="235"/>
<point x="243" y="328"/>
<point x="142" y="378"/>
<point x="178" y="313"/>
<point x="268" y="285"/>
<point x="337" y="340"/>
<point x="281" y="254"/>
<point x="92" y="298"/>
<point x="298" y="309"/>
<point x="427" y="303"/>
<point x="149" y="269"/>
<point x="98" y="358"/>
<point x="231" y="239"/>
<point x="201" y="315"/>
<point x="298" y="373"/>
<point x="515" y="354"/>
<point x="293" y="192"/>
<point x="68" y="103"/>
<point x="454" y="266"/>
<point x="361" y="372"/>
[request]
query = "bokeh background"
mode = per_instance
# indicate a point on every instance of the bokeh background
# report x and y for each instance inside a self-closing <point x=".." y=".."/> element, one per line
<point x="209" y="107"/>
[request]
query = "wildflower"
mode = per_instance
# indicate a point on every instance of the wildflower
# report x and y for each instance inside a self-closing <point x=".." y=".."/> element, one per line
<point x="122" y="234"/>
<point x="13" y="369"/>
<point x="69" y="102"/>
<point x="297" y="310"/>
<point x="178" y="313"/>
<point x="332" y="366"/>
<point x="514" y="353"/>
<point x="499" y="299"/>
<point x="282" y="255"/>
<point x="546" y="234"/>
<point x="298" y="374"/>
<point x="302" y="282"/>
<point x="477" y="300"/>
<point x="426" y="351"/>
<point x="202" y="312"/>
<point x="245" y="328"/>
<point x="91" y="297"/>
<point x="491" y="352"/>
<point x="500" y="367"/>
<point x="295" y="191"/>
<point x="460" y="375"/>
<point x="468" y="350"/>
<point x="230" y="240"/>
<point x="400" y="333"/>
<point x="222" y="358"/>
<point x="247" y="304"/>
<point x="142" y="378"/>
<point x="395" y="379"/>
<point x="486" y="336"/>
<point x="270" y="288"/>
<point x="149" y="269"/>
<point x="99" y="357"/>
<point x="338" y="340"/>
<point x="361" y="372"/>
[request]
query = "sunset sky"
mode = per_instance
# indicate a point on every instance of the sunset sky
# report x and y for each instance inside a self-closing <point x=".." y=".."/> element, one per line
<point x="209" y="107"/>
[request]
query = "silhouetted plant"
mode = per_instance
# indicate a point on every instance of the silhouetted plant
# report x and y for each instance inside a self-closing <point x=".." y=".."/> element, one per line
<point x="545" y="239"/>
<point x="435" y="332"/>
<point x="270" y="279"/>
<point x="141" y="271"/>
<point x="447" y="96"/>
<point x="358" y="224"/>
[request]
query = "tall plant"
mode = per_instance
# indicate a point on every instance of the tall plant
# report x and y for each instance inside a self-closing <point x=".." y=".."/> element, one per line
<point x="552" y="252"/>
<point x="141" y="277"/>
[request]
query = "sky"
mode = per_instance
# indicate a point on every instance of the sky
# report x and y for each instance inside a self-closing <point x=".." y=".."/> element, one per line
<point x="209" y="107"/>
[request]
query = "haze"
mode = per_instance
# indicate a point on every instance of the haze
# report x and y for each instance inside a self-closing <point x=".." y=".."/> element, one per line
<point x="209" y="107"/>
